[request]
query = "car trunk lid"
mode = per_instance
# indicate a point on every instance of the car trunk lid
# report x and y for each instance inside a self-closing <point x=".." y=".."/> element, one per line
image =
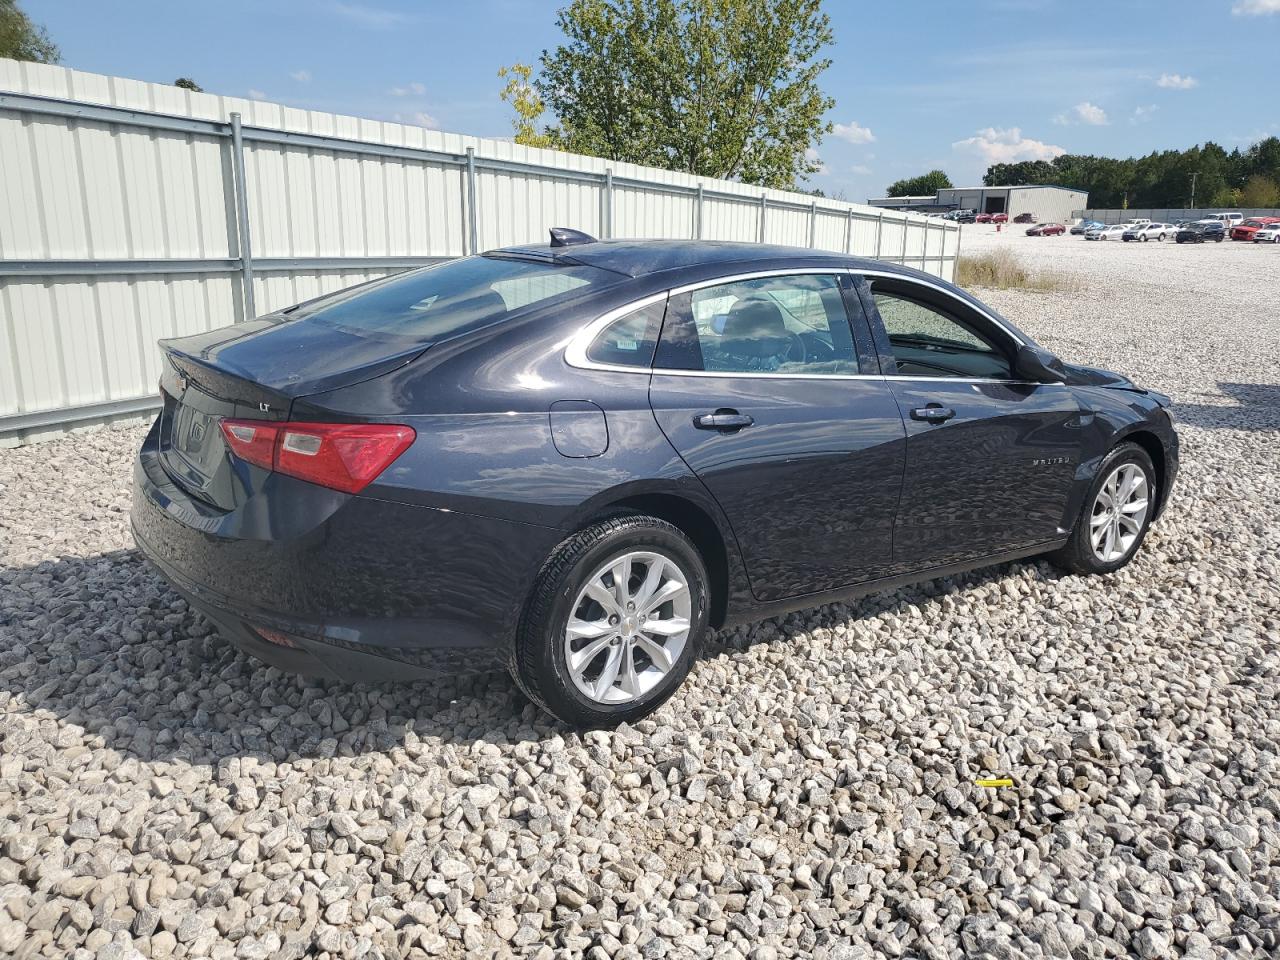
<point x="255" y="371"/>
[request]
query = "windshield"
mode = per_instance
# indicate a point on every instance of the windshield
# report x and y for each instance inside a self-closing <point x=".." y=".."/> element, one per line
<point x="453" y="297"/>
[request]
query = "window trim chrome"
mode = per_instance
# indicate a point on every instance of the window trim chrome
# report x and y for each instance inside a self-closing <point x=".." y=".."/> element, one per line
<point x="575" y="353"/>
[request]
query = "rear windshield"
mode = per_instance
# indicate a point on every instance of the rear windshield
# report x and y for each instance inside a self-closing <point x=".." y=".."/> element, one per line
<point x="454" y="297"/>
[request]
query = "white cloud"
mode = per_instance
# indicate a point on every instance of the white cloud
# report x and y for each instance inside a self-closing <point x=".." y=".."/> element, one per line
<point x="302" y="76"/>
<point x="1085" y="112"/>
<point x="860" y="168"/>
<point x="426" y="120"/>
<point x="995" y="145"/>
<point x="854" y="132"/>
<point x="410" y="90"/>
<point x="374" y="18"/>
<point x="1255" y="8"/>
<point x="257" y="95"/>
<point x="1142" y="114"/>
<point x="812" y="156"/>
<point x="1176" y="81"/>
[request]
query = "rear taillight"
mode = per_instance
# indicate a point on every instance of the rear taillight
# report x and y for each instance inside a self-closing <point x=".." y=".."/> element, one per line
<point x="342" y="456"/>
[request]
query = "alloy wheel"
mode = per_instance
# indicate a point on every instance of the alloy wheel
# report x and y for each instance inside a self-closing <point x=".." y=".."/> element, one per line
<point x="1119" y="512"/>
<point x="627" y="627"/>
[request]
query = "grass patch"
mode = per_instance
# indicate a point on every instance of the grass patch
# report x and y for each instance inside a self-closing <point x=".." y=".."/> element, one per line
<point x="1001" y="270"/>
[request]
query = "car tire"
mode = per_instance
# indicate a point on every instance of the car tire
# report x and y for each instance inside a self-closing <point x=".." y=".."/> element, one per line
<point x="1086" y="552"/>
<point x="578" y="694"/>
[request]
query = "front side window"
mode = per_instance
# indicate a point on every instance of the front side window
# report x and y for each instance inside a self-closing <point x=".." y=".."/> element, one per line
<point x="780" y="325"/>
<point x="928" y="341"/>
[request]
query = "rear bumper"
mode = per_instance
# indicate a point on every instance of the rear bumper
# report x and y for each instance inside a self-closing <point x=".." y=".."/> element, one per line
<point x="365" y="589"/>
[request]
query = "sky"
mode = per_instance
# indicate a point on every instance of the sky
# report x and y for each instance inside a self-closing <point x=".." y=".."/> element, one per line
<point x="918" y="84"/>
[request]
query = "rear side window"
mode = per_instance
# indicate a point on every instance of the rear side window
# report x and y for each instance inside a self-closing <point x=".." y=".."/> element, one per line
<point x="785" y="325"/>
<point x="454" y="297"/>
<point x="630" y="340"/>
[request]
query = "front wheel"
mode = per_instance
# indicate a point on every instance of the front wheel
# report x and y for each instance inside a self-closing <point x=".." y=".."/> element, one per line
<point x="614" y="623"/>
<point x="1116" y="514"/>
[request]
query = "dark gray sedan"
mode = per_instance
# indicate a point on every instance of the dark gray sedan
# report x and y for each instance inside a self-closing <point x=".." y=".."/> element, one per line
<point x="574" y="459"/>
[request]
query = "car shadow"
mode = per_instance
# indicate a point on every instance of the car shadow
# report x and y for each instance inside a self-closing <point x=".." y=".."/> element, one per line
<point x="1255" y="406"/>
<point x="103" y="643"/>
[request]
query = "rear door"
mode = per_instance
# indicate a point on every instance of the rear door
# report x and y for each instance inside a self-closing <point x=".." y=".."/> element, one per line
<point x="761" y="387"/>
<point x="990" y="458"/>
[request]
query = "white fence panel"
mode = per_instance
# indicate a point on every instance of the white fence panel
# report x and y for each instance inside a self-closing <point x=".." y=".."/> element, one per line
<point x="121" y="222"/>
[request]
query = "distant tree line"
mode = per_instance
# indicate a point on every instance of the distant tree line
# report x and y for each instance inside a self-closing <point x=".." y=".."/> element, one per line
<point x="921" y="186"/>
<point x="1241" y="178"/>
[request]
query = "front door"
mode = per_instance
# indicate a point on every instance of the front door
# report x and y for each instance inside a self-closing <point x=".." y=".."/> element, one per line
<point x="990" y="458"/>
<point x="757" y="384"/>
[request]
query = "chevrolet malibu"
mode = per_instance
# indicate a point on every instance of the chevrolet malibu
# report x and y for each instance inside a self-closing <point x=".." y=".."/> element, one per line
<point x="573" y="460"/>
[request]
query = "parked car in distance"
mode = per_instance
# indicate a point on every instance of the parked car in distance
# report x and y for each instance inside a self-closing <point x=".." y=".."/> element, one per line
<point x="1228" y="220"/>
<point x="1025" y="218"/>
<point x="1201" y="232"/>
<point x="982" y="218"/>
<point x="1136" y="221"/>
<point x="1086" y="225"/>
<point x="1047" y="230"/>
<point x="1267" y="234"/>
<point x="573" y="460"/>
<point x="1110" y="231"/>
<point x="1247" y="228"/>
<point x="999" y="218"/>
<point x="1149" y="231"/>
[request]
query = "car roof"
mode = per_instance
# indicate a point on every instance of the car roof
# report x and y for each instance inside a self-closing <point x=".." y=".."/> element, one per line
<point x="638" y="258"/>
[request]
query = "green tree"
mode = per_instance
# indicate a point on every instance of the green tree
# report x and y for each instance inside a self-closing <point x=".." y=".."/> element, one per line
<point x="20" y="39"/>
<point x="716" y="88"/>
<point x="920" y="186"/>
<point x="186" y="83"/>
<point x="1161" y="179"/>
<point x="1018" y="174"/>
<point x="1260" y="191"/>
<point x="528" y="106"/>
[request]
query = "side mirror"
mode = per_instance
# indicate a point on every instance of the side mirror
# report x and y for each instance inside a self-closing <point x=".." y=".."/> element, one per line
<point x="1038" y="365"/>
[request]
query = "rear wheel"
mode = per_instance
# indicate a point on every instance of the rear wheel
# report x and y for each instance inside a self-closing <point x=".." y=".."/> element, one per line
<point x="1116" y="514"/>
<point x="615" y="621"/>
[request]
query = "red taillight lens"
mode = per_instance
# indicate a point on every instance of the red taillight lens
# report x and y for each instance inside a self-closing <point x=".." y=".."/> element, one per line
<point x="252" y="440"/>
<point x="342" y="456"/>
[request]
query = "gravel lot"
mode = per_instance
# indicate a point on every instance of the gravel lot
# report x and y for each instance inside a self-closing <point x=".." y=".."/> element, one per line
<point x="808" y="793"/>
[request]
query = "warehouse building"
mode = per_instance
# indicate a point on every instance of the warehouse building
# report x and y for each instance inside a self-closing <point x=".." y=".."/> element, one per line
<point x="1045" y="202"/>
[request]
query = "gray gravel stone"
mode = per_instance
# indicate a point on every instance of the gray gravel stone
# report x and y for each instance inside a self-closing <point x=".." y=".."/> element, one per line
<point x="808" y="793"/>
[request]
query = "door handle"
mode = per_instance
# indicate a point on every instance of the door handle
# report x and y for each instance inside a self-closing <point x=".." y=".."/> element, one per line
<point x="723" y="419"/>
<point x="933" y="413"/>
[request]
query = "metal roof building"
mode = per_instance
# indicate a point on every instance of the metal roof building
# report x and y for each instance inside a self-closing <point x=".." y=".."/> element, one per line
<point x="1046" y="202"/>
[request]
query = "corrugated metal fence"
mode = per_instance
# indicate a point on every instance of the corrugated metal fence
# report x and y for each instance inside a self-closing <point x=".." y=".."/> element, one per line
<point x="1169" y="214"/>
<point x="132" y="211"/>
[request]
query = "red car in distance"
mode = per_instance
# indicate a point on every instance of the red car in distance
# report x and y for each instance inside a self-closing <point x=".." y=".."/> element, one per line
<point x="1246" y="229"/>
<point x="999" y="218"/>
<point x="982" y="218"/>
<point x="1047" y="230"/>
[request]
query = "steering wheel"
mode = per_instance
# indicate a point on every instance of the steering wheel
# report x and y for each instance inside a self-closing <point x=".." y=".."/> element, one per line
<point x="797" y="346"/>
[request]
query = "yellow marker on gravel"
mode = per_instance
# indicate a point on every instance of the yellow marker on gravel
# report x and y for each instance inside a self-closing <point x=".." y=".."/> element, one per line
<point x="996" y="782"/>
